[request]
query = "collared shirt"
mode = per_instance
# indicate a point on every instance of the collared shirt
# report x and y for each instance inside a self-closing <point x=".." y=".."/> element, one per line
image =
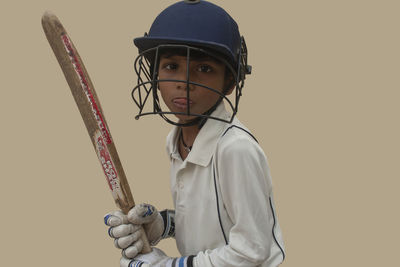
<point x="244" y="195"/>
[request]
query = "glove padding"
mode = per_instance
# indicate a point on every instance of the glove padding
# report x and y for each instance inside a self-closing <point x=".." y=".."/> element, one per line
<point x="156" y="258"/>
<point x="125" y="228"/>
<point x="150" y="218"/>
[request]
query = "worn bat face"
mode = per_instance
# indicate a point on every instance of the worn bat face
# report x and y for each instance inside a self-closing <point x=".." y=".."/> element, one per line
<point x="89" y="106"/>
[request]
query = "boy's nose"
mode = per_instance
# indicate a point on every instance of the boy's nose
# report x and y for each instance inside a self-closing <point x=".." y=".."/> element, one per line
<point x="184" y="86"/>
<point x="182" y="83"/>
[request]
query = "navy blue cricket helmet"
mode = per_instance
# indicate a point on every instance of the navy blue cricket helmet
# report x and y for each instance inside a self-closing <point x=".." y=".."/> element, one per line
<point x="193" y="25"/>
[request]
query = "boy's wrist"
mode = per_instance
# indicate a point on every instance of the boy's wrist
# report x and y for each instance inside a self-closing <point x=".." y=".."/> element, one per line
<point x="169" y="223"/>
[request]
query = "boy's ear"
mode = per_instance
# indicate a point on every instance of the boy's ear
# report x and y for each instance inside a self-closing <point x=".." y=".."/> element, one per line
<point x="229" y="85"/>
<point x="230" y="90"/>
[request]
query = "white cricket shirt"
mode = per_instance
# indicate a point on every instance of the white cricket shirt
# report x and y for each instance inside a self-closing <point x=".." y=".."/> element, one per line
<point x="244" y="193"/>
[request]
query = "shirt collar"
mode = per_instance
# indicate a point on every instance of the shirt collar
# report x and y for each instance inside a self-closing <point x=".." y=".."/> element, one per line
<point x="206" y="140"/>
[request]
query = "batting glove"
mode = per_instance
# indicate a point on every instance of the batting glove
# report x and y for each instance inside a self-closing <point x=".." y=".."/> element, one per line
<point x="157" y="225"/>
<point x="124" y="228"/>
<point x="156" y="258"/>
<point x="126" y="235"/>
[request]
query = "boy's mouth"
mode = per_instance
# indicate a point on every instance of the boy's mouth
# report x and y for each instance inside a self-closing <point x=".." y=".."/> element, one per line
<point x="182" y="102"/>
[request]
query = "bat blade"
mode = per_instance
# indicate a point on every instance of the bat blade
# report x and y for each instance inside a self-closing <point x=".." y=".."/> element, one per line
<point x="89" y="106"/>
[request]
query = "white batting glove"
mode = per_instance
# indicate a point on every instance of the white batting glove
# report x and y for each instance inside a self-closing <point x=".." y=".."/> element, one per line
<point x="156" y="258"/>
<point x="124" y="228"/>
<point x="126" y="235"/>
<point x="150" y="218"/>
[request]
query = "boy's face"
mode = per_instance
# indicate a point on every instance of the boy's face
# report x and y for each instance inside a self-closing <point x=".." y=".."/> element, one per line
<point x="205" y="71"/>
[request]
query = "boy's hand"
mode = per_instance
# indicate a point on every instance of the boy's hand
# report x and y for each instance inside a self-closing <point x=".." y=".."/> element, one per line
<point x="124" y="228"/>
<point x="150" y="218"/>
<point x="156" y="258"/>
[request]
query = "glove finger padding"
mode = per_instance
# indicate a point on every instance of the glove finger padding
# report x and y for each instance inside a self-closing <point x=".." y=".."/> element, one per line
<point x="142" y="214"/>
<point x="122" y="230"/>
<point x="126" y="241"/>
<point x="115" y="218"/>
<point x="134" y="250"/>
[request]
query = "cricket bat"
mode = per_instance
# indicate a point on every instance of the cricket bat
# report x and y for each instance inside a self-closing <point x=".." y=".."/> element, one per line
<point x="89" y="106"/>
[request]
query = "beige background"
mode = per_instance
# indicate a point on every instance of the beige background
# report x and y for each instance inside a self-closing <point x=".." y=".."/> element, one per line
<point x="322" y="100"/>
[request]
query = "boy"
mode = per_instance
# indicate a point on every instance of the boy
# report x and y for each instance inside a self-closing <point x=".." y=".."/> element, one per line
<point x="194" y="57"/>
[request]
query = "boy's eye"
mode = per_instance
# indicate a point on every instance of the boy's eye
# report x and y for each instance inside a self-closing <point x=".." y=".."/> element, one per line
<point x="204" y="68"/>
<point x="170" y="66"/>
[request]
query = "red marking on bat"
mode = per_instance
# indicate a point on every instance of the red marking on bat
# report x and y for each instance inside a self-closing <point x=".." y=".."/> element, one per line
<point x="107" y="164"/>
<point x="86" y="88"/>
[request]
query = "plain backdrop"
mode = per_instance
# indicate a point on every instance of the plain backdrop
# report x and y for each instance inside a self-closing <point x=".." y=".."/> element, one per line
<point x="322" y="100"/>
